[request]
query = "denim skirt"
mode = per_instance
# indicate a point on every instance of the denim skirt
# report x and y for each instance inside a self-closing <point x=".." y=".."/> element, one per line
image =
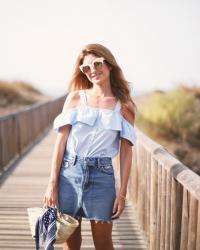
<point x="86" y="187"/>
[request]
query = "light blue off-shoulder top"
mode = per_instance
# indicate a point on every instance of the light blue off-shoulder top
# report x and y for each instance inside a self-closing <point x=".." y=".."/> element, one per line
<point x="95" y="132"/>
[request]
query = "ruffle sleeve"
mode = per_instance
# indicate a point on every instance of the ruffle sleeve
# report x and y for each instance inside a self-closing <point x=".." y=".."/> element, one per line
<point x="74" y="115"/>
<point x="64" y="118"/>
<point x="106" y="119"/>
<point x="128" y="131"/>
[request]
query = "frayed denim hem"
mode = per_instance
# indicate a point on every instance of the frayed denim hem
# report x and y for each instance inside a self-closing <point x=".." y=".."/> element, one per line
<point x="95" y="220"/>
<point x="102" y="221"/>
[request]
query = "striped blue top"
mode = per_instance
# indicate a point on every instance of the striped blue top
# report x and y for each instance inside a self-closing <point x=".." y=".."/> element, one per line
<point x="95" y="132"/>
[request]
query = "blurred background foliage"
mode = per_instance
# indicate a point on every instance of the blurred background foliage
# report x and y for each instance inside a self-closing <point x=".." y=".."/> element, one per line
<point x="17" y="95"/>
<point x="173" y="119"/>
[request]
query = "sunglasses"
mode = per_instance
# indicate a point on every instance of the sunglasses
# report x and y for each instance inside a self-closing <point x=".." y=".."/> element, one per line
<point x="96" y="64"/>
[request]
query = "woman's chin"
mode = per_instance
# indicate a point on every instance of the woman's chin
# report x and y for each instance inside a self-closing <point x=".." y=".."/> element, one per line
<point x="97" y="81"/>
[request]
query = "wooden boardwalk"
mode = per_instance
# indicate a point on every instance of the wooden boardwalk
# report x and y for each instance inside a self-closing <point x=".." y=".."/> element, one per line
<point x="25" y="187"/>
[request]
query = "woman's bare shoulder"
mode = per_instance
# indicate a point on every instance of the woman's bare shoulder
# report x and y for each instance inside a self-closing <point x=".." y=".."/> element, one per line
<point x="128" y="112"/>
<point x="72" y="100"/>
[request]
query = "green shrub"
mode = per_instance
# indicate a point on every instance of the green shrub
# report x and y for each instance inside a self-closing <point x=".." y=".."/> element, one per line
<point x="174" y="114"/>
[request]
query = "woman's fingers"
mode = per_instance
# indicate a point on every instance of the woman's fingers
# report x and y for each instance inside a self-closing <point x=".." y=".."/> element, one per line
<point x="53" y="203"/>
<point x="50" y="198"/>
<point x="45" y="201"/>
<point x="118" y="208"/>
<point x="50" y="202"/>
<point x="118" y="213"/>
<point x="115" y="206"/>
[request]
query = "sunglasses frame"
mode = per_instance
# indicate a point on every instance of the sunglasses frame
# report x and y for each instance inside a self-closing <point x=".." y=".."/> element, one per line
<point x="91" y="65"/>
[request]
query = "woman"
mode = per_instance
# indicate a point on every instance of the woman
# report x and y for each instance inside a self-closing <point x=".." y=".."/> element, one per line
<point x="97" y="122"/>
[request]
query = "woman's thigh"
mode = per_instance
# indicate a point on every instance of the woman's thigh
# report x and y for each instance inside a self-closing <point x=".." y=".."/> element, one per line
<point x="74" y="241"/>
<point x="102" y="235"/>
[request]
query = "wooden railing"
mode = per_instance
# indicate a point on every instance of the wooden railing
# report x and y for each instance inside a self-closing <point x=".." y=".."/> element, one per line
<point x="166" y="195"/>
<point x="20" y="130"/>
<point x="164" y="192"/>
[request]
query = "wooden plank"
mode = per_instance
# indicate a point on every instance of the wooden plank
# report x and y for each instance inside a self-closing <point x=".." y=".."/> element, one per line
<point x="185" y="221"/>
<point x="163" y="210"/>
<point x="153" y="205"/>
<point x="192" y="227"/>
<point x="159" y="206"/>
<point x="198" y="228"/>
<point x="148" y="194"/>
<point x="168" y="212"/>
<point x="141" y="187"/>
<point x="176" y="214"/>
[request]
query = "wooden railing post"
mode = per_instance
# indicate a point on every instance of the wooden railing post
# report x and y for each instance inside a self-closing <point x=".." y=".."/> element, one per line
<point x="153" y="204"/>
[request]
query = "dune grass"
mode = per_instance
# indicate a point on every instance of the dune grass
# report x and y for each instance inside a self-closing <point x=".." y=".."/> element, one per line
<point x="173" y="115"/>
<point x="16" y="93"/>
<point x="20" y="85"/>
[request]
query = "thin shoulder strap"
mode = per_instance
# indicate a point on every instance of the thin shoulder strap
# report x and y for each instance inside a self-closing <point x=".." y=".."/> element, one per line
<point x="118" y="106"/>
<point x="82" y="97"/>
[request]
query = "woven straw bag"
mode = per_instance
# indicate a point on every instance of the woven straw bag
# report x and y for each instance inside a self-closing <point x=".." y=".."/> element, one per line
<point x="65" y="223"/>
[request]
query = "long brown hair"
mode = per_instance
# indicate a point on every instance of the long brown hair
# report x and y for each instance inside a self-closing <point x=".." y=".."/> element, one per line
<point x="119" y="85"/>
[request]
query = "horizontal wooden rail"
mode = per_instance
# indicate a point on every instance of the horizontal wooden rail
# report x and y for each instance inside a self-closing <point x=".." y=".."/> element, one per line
<point x="21" y="129"/>
<point x="166" y="195"/>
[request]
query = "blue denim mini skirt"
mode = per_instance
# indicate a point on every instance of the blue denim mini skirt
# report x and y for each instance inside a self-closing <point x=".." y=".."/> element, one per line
<point x="86" y="187"/>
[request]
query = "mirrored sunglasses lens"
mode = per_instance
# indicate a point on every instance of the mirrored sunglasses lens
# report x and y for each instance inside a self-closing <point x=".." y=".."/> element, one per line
<point x="98" y="65"/>
<point x="85" y="69"/>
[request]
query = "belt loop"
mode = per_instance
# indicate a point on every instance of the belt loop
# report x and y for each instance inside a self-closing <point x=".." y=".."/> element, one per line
<point x="98" y="162"/>
<point x="75" y="159"/>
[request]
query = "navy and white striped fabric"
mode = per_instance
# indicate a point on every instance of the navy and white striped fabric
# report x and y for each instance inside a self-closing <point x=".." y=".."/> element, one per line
<point x="45" y="230"/>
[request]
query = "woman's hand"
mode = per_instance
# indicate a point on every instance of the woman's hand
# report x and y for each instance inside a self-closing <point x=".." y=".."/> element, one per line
<point x="51" y="196"/>
<point x="118" y="207"/>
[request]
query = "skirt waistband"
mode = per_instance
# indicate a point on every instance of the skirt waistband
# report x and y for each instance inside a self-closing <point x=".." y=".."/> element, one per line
<point x="89" y="160"/>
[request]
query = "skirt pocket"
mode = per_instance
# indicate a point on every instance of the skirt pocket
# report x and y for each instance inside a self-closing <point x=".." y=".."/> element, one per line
<point x="107" y="169"/>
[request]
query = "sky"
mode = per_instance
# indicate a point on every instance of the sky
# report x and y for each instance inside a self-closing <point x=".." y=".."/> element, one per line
<point x="156" y="43"/>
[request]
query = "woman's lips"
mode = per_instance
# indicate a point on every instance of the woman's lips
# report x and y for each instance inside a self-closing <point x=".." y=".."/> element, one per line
<point x="96" y="75"/>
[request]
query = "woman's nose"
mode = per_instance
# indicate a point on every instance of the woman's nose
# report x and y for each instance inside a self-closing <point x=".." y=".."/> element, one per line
<point x="92" y="69"/>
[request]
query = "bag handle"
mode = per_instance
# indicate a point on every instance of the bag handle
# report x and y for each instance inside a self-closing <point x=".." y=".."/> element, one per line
<point x="46" y="207"/>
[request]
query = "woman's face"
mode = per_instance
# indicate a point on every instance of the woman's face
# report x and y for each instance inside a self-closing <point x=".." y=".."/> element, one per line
<point x="98" y="74"/>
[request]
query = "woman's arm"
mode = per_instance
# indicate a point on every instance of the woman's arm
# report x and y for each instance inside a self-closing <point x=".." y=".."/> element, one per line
<point x="51" y="195"/>
<point x="125" y="168"/>
<point x="126" y="150"/>
<point x="125" y="164"/>
<point x="58" y="153"/>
